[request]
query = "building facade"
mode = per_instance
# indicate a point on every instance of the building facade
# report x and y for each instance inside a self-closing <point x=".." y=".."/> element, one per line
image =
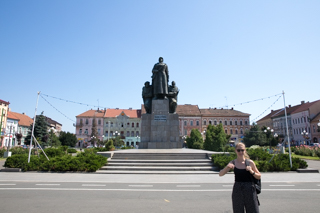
<point x="4" y="108"/>
<point x="315" y="129"/>
<point x="23" y="126"/>
<point x="189" y="118"/>
<point x="234" y="122"/>
<point x="11" y="130"/>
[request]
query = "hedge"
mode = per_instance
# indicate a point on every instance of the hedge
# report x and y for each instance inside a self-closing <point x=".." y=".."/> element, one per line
<point x="279" y="162"/>
<point x="86" y="161"/>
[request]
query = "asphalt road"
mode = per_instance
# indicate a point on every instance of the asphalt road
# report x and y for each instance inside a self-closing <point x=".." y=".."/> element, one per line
<point x="74" y="192"/>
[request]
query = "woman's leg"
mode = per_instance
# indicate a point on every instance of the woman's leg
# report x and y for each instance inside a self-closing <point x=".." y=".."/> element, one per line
<point x="250" y="199"/>
<point x="237" y="198"/>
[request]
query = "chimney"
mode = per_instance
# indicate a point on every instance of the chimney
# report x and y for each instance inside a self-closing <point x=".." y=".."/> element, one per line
<point x="231" y="108"/>
<point x="302" y="102"/>
<point x="23" y="113"/>
<point x="289" y="106"/>
<point x="130" y="108"/>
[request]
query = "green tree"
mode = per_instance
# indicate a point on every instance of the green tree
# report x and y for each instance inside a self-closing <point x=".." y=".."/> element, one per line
<point x="40" y="130"/>
<point x="53" y="139"/>
<point x="254" y="136"/>
<point x="195" y="140"/>
<point x="216" y="138"/>
<point x="67" y="139"/>
<point x="118" y="142"/>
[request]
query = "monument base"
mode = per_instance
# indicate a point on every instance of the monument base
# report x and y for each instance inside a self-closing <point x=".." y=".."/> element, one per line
<point x="160" y="130"/>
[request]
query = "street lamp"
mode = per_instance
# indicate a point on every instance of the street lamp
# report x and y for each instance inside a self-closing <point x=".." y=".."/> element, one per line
<point x="319" y="126"/>
<point x="184" y="141"/>
<point x="267" y="131"/>
<point x="93" y="139"/>
<point x="304" y="134"/>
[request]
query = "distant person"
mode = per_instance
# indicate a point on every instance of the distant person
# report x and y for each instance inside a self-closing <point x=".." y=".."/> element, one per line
<point x="244" y="196"/>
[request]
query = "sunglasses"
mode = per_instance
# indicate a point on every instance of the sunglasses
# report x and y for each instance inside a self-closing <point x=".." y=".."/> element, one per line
<point x="240" y="150"/>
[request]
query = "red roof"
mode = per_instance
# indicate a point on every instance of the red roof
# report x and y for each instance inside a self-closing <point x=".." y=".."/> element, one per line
<point x="4" y="102"/>
<point x="132" y="113"/>
<point x="24" y="120"/>
<point x="12" y="116"/>
<point x="92" y="113"/>
<point x="305" y="106"/>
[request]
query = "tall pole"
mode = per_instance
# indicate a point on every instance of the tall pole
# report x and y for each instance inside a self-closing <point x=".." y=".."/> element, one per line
<point x="1" y="127"/>
<point x="34" y="121"/>
<point x="285" y="112"/>
<point x="108" y="129"/>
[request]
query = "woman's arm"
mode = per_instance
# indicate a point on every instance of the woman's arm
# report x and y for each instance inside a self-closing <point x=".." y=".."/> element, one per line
<point x="226" y="169"/>
<point x="254" y="170"/>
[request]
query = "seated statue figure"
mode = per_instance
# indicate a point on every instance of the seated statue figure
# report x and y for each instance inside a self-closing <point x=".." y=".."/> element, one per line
<point x="147" y="96"/>
<point x="173" y="97"/>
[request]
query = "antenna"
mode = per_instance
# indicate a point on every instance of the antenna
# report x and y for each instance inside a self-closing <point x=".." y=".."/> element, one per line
<point x="226" y="101"/>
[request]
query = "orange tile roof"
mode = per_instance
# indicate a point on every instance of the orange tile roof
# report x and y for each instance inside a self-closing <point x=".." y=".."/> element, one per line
<point x="92" y="113"/>
<point x="188" y="110"/>
<point x="305" y="107"/>
<point x="132" y="113"/>
<point x="24" y="120"/>
<point x="12" y="116"/>
<point x="4" y="102"/>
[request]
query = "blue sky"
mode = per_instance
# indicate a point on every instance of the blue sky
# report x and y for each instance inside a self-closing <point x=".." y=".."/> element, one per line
<point x="218" y="52"/>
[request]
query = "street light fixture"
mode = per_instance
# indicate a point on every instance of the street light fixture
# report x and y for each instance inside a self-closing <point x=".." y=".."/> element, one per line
<point x="270" y="130"/>
<point x="304" y="134"/>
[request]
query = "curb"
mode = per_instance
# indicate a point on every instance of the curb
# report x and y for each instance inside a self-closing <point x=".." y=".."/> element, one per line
<point x="308" y="170"/>
<point x="11" y="170"/>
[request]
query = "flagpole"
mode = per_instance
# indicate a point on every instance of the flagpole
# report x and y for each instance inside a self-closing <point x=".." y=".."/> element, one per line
<point x="285" y="112"/>
<point x="34" y="121"/>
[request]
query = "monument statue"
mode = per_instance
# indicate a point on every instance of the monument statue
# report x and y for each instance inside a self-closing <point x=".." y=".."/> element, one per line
<point x="160" y="90"/>
<point x="160" y="79"/>
<point x="173" y="97"/>
<point x="147" y="96"/>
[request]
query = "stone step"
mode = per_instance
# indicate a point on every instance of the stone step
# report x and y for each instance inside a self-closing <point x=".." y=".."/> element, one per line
<point x="163" y="168"/>
<point x="159" y="164"/>
<point x="159" y="161"/>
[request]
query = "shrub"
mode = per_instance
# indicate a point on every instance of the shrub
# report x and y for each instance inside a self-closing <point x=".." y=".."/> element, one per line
<point x="109" y="145"/>
<point x="18" y="150"/>
<point x="54" y="152"/>
<point x="2" y="150"/>
<point x="72" y="151"/>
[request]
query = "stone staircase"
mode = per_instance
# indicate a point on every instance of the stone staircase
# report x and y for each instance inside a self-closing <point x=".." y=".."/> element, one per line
<point x="159" y="163"/>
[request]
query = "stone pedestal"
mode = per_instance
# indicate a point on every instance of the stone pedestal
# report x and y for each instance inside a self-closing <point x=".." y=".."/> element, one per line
<point x="160" y="130"/>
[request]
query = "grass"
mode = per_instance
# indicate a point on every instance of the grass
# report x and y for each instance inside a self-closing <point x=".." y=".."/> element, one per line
<point x="305" y="157"/>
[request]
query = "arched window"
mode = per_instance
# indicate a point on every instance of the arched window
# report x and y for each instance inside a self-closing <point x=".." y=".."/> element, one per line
<point x="236" y="131"/>
<point x="215" y="122"/>
<point x="137" y="125"/>
<point x="128" y="134"/>
<point x="204" y="122"/>
<point x="132" y="125"/>
<point x="132" y="133"/>
<point x="231" y="132"/>
<point x="137" y="133"/>
<point x="191" y="123"/>
<point x="210" y="122"/>
<point x="226" y="123"/>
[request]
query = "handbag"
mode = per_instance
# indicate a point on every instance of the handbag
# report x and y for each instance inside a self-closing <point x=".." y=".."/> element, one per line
<point x="256" y="183"/>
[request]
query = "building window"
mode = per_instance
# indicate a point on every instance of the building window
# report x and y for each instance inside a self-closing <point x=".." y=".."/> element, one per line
<point x="236" y="131"/>
<point x="236" y="123"/>
<point x="106" y="133"/>
<point x="215" y="122"/>
<point x="132" y="133"/>
<point x="197" y="123"/>
<point x="111" y="124"/>
<point x="111" y="133"/>
<point x="128" y="124"/>
<point x="99" y="122"/>
<point x="241" y="132"/>
<point x="80" y="131"/>
<point x="86" y="131"/>
<point x="204" y="122"/>
<point x="185" y="132"/>
<point x="220" y="122"/>
<point x="137" y="125"/>
<point x="185" y="123"/>
<point x="246" y="122"/>
<point x="210" y="122"/>
<point x="231" y="131"/>
<point x="98" y="131"/>
<point x="231" y="124"/>
<point x="241" y="123"/>
<point x="226" y="123"/>
<point x="191" y="123"/>
<point x="128" y="134"/>
<point x="87" y="121"/>
<point x="226" y="131"/>
<point x="137" y="133"/>
<point x="132" y="125"/>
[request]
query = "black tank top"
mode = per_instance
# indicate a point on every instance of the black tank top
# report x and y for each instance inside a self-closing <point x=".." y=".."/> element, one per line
<point x="241" y="175"/>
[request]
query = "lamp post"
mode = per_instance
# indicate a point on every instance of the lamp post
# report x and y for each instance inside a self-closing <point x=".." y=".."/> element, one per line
<point x="138" y="137"/>
<point x="184" y="143"/>
<point x="93" y="139"/>
<point x="269" y="131"/>
<point x="304" y="134"/>
<point x="203" y="134"/>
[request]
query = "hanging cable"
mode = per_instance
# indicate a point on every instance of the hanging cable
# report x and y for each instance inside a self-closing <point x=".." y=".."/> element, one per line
<point x="266" y="109"/>
<point x="56" y="109"/>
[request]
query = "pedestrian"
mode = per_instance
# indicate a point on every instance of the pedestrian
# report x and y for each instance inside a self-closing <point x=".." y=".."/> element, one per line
<point x="244" y="196"/>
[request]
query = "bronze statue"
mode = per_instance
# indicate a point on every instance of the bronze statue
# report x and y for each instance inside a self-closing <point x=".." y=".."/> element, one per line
<point x="173" y="97"/>
<point x="160" y="79"/>
<point x="147" y="96"/>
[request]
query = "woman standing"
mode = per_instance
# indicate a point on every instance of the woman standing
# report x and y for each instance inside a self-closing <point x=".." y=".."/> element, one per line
<point x="244" y="196"/>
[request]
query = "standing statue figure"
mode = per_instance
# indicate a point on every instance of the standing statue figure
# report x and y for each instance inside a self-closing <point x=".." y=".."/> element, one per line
<point x="173" y="97"/>
<point x="147" y="96"/>
<point x="160" y="79"/>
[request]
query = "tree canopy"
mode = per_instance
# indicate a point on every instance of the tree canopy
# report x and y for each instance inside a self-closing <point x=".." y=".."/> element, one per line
<point x="67" y="139"/>
<point x="216" y="138"/>
<point x="195" y="140"/>
<point x="40" y="130"/>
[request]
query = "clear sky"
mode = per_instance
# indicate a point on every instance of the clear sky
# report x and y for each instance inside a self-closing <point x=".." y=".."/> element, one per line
<point x="101" y="52"/>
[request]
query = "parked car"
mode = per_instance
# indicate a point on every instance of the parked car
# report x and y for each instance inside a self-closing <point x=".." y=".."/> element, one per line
<point x="315" y="144"/>
<point x="88" y="147"/>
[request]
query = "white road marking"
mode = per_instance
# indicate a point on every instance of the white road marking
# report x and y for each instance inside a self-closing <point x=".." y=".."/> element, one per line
<point x="140" y="185"/>
<point x="154" y="190"/>
<point x="93" y="185"/>
<point x="8" y="184"/>
<point x="188" y="185"/>
<point x="281" y="185"/>
<point x="44" y="184"/>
